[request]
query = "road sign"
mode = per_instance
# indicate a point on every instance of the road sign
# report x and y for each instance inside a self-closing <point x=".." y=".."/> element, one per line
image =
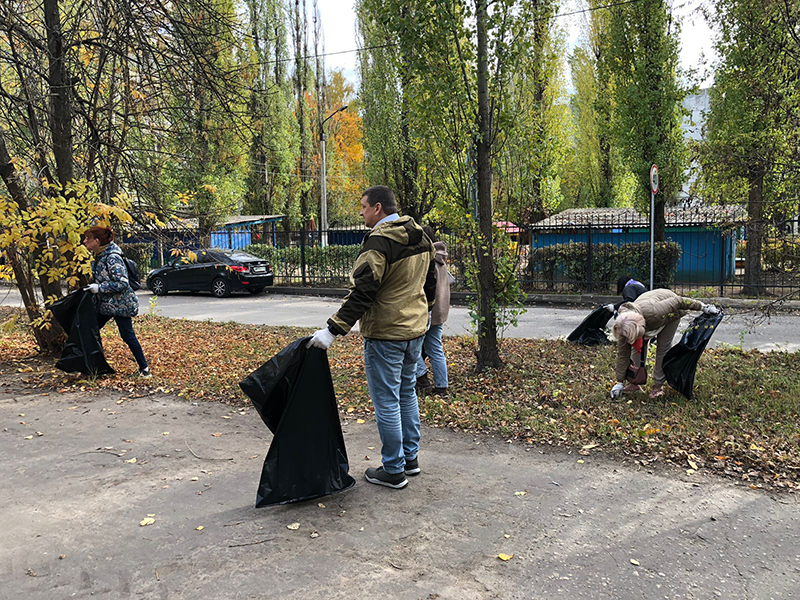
<point x="654" y="179"/>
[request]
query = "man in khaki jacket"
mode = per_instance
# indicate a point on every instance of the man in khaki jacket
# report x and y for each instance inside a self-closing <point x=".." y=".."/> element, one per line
<point x="392" y="288"/>
<point x="654" y="314"/>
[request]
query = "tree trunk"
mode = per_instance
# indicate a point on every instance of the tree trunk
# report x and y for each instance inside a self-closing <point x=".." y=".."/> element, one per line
<point x="753" y="281"/>
<point x="300" y="72"/>
<point x="488" y="354"/>
<point x="60" y="86"/>
<point x="48" y="340"/>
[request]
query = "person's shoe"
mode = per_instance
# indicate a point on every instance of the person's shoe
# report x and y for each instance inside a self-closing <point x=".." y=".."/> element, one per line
<point x="380" y="477"/>
<point x="440" y="392"/>
<point x="631" y="387"/>
<point x="656" y="392"/>
<point x="412" y="467"/>
<point x="423" y="383"/>
<point x="145" y="373"/>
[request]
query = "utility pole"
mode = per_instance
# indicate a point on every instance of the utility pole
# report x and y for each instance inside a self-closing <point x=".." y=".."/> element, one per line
<point x="323" y="209"/>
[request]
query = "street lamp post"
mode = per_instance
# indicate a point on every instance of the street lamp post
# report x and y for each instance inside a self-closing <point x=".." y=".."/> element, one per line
<point x="323" y="210"/>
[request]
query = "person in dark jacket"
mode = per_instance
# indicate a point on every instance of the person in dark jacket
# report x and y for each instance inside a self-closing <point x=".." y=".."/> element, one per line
<point x="114" y="298"/>
<point x="629" y="289"/>
<point x="392" y="289"/>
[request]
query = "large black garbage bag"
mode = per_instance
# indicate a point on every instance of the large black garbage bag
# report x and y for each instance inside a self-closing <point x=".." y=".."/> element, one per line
<point x="680" y="362"/>
<point x="84" y="350"/>
<point x="590" y="332"/>
<point x="293" y="393"/>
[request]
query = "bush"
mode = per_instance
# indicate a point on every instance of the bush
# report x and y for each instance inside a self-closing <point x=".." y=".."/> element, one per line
<point x="608" y="262"/>
<point x="781" y="255"/>
<point x="142" y="254"/>
<point x="324" y="265"/>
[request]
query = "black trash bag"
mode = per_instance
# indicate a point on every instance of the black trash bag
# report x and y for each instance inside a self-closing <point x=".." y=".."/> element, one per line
<point x="84" y="350"/>
<point x="591" y="330"/>
<point x="680" y="361"/>
<point x="293" y="393"/>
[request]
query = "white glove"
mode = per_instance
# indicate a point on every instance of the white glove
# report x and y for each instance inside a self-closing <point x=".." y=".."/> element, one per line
<point x="93" y="287"/>
<point x="321" y="339"/>
<point x="610" y="308"/>
<point x="616" y="391"/>
<point x="710" y="309"/>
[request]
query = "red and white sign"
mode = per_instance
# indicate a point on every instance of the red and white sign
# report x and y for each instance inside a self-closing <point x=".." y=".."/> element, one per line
<point x="654" y="179"/>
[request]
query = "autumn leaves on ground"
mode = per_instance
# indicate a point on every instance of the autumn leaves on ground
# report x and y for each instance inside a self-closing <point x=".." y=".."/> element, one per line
<point x="743" y="423"/>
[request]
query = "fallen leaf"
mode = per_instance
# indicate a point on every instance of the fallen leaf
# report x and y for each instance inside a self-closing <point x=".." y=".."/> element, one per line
<point x="199" y="528"/>
<point x="350" y="409"/>
<point x="147" y="521"/>
<point x="216" y="434"/>
<point x="131" y="461"/>
<point x="505" y="535"/>
<point x="314" y="534"/>
<point x="28" y="437"/>
<point x="194" y="479"/>
<point x="505" y="556"/>
<point x="62" y="556"/>
<point x="293" y="526"/>
<point x="634" y="562"/>
<point x="360" y="421"/>
<point x="590" y="446"/>
<point x="692" y="464"/>
<point x="581" y="461"/>
<point x="72" y="408"/>
<point x="321" y="505"/>
<point x="225" y="417"/>
<point x="758" y="448"/>
<point x="520" y="493"/>
<point x="21" y="414"/>
<point x="39" y="433"/>
<point x="165" y="433"/>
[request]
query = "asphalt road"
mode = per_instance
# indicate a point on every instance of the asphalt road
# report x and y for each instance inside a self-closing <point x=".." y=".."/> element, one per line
<point x="782" y="332"/>
<point x="82" y="472"/>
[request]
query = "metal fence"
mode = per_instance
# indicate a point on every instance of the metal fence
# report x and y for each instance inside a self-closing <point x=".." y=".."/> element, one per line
<point x="577" y="252"/>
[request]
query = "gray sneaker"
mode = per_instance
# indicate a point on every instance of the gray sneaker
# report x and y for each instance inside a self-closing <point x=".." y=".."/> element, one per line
<point x="412" y="467"/>
<point x="380" y="477"/>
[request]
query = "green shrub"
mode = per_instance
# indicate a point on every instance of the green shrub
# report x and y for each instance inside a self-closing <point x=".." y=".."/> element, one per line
<point x="781" y="255"/>
<point x="569" y="261"/>
<point x="326" y="265"/>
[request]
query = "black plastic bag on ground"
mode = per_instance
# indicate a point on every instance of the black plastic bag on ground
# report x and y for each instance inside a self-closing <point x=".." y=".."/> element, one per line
<point x="293" y="393"/>
<point x="680" y="362"/>
<point x="84" y="350"/>
<point x="591" y="330"/>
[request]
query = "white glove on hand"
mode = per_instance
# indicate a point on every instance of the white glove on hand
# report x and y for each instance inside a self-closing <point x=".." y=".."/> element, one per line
<point x="93" y="287"/>
<point x="616" y="391"/>
<point x="710" y="309"/>
<point x="610" y="308"/>
<point x="321" y="339"/>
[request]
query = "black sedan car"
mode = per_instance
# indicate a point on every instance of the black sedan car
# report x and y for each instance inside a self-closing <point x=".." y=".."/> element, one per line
<point x="217" y="271"/>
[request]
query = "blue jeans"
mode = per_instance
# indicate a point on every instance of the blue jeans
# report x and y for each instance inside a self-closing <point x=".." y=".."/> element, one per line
<point x="391" y="375"/>
<point x="435" y="351"/>
<point x="125" y="326"/>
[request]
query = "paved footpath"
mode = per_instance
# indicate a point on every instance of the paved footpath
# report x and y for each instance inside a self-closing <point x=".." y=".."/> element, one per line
<point x="73" y="498"/>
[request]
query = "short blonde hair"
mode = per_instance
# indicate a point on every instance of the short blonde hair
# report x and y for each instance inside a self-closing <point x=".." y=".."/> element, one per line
<point x="628" y="327"/>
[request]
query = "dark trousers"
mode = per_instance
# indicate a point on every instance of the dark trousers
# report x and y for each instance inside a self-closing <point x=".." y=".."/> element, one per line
<point x="125" y="326"/>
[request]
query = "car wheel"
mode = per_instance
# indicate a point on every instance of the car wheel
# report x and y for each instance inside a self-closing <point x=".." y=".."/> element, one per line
<point x="158" y="287"/>
<point x="255" y="290"/>
<point x="220" y="288"/>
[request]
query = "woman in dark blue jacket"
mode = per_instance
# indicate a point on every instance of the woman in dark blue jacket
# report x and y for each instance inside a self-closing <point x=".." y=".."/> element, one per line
<point x="114" y="298"/>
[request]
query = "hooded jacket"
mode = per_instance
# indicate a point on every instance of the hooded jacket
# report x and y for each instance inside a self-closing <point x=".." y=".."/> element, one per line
<point x="115" y="298"/>
<point x="658" y="307"/>
<point x="392" y="285"/>
<point x="441" y="309"/>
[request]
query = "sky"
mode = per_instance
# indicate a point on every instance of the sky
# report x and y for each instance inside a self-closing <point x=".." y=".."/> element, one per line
<point x="339" y="29"/>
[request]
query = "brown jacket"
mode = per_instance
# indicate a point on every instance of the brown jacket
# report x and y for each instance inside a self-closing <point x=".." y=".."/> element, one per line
<point x="392" y="286"/>
<point x="658" y="308"/>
